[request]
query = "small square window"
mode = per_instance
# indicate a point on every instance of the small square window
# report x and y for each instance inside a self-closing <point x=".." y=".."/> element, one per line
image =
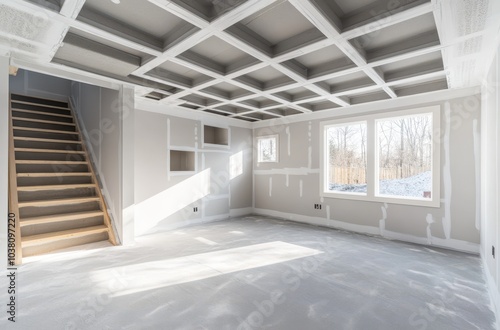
<point x="267" y="149"/>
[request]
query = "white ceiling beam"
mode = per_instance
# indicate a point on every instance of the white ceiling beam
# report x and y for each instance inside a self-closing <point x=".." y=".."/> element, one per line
<point x="71" y="8"/>
<point x="324" y="24"/>
<point x="388" y="20"/>
<point x="181" y="12"/>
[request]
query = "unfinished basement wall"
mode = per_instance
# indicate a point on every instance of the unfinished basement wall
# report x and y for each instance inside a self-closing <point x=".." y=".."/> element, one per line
<point x="180" y="179"/>
<point x="290" y="188"/>
<point x="490" y="185"/>
<point x="98" y="111"/>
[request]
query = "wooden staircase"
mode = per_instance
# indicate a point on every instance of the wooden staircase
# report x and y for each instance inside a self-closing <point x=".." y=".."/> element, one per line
<point x="59" y="201"/>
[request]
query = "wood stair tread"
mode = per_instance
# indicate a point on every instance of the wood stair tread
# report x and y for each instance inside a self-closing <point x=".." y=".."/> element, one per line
<point x="42" y="121"/>
<point x="57" y="187"/>
<point x="34" y="112"/>
<point x="22" y="138"/>
<point x="19" y="128"/>
<point x="58" y="202"/>
<point x="40" y="104"/>
<point x="45" y="175"/>
<point x="49" y="151"/>
<point x="34" y="240"/>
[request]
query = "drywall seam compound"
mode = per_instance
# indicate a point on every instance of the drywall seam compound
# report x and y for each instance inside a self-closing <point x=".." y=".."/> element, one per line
<point x="287" y="130"/>
<point x="310" y="157"/>
<point x="301" y="187"/>
<point x="477" y="159"/>
<point x="447" y="174"/>
<point x="384" y="218"/>
<point x="287" y="180"/>
<point x="430" y="221"/>
<point x="270" y="187"/>
<point x="168" y="148"/>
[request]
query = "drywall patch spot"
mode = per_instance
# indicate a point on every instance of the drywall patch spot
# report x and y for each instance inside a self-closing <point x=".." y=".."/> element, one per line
<point x="196" y="136"/>
<point x="270" y="187"/>
<point x="301" y="187"/>
<point x="287" y="180"/>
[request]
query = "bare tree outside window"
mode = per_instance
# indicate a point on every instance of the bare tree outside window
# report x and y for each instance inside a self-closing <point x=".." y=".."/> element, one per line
<point x="347" y="158"/>
<point x="405" y="156"/>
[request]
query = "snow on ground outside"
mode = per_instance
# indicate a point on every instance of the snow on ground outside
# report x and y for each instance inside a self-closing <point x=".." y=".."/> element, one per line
<point x="413" y="186"/>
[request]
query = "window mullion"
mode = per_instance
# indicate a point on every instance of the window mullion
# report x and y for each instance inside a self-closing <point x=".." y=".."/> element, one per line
<point x="371" y="158"/>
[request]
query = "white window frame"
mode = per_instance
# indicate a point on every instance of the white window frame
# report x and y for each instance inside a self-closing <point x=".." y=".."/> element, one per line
<point x="277" y="140"/>
<point x="373" y="154"/>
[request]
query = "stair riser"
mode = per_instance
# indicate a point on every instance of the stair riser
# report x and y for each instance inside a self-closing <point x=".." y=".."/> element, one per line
<point x="40" y="116"/>
<point x="52" y="168"/>
<point x="42" y="109"/>
<point x="23" y="98"/>
<point x="50" y="181"/>
<point x="62" y="225"/>
<point x="23" y="155"/>
<point x="62" y="244"/>
<point x="31" y="124"/>
<point x="48" y="145"/>
<point x="29" y="196"/>
<point x="46" y="135"/>
<point x="39" y="211"/>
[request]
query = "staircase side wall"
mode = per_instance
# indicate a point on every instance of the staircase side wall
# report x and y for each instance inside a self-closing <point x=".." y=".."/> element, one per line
<point x="98" y="112"/>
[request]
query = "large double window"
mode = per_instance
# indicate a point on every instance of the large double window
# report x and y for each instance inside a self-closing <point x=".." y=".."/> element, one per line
<point x="391" y="157"/>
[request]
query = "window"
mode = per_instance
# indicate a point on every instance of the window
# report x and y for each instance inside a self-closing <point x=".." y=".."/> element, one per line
<point x="405" y="156"/>
<point x="267" y="149"/>
<point x="346" y="170"/>
<point x="390" y="157"/>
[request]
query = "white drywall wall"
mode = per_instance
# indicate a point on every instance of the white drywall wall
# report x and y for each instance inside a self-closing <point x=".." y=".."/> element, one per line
<point x="220" y="186"/>
<point x="490" y="180"/>
<point x="296" y="184"/>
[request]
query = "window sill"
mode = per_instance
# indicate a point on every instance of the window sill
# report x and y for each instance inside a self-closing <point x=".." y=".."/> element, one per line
<point x="436" y="203"/>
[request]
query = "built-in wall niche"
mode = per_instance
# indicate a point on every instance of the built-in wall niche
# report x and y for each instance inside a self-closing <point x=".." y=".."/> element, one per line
<point x="215" y="135"/>
<point x="182" y="161"/>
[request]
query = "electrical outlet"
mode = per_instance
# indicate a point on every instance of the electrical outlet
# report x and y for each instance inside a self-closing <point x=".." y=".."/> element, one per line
<point x="195" y="209"/>
<point x="493" y="251"/>
<point x="317" y="206"/>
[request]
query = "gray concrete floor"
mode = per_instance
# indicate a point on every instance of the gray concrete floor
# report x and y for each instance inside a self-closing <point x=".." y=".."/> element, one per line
<point x="254" y="273"/>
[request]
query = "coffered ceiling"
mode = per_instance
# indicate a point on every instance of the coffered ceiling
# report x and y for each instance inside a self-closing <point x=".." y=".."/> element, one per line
<point x="258" y="59"/>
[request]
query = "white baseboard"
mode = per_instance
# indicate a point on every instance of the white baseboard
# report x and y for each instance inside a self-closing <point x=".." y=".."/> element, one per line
<point x="450" y="244"/>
